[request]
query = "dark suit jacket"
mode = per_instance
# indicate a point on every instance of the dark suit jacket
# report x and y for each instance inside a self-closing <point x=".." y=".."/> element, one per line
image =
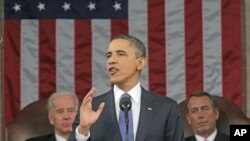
<point x="218" y="137"/>
<point x="49" y="137"/>
<point x="162" y="123"/>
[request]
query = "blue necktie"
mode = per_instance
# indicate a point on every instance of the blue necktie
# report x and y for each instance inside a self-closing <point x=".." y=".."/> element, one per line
<point x="122" y="124"/>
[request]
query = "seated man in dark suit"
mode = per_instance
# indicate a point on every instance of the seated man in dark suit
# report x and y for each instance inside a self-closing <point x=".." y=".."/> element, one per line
<point x="62" y="109"/>
<point x="202" y="114"/>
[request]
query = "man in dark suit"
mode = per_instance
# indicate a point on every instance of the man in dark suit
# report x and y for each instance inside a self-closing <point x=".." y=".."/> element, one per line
<point x="155" y="117"/>
<point x="202" y="114"/>
<point x="48" y="137"/>
<point x="62" y="109"/>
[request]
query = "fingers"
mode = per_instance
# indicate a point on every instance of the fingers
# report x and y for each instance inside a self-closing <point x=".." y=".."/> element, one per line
<point x="88" y="97"/>
<point x="90" y="93"/>
<point x="87" y="101"/>
<point x="100" y="108"/>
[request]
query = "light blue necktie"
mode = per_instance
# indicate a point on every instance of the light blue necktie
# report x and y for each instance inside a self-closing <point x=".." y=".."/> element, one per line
<point x="122" y="123"/>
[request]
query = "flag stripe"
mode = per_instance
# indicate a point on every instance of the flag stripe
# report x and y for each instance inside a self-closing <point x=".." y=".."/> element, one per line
<point x="138" y="27"/>
<point x="101" y="37"/>
<point x="119" y="27"/>
<point x="12" y="39"/>
<point x="232" y="53"/>
<point x="175" y="50"/>
<point x="83" y="57"/>
<point x="29" y="62"/>
<point x="65" y="55"/>
<point x="156" y="46"/>
<point x="47" y="58"/>
<point x="212" y="47"/>
<point x="193" y="46"/>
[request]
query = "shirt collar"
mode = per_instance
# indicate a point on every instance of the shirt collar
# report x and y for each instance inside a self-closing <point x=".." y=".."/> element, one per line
<point x="209" y="138"/>
<point x="135" y="93"/>
<point x="59" y="138"/>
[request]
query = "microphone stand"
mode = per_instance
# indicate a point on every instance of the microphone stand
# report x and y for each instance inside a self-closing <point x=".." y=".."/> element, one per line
<point x="127" y="122"/>
<point x="125" y="105"/>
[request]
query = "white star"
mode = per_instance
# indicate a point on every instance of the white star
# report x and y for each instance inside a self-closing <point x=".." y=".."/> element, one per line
<point x="91" y="6"/>
<point x="17" y="7"/>
<point x="66" y="6"/>
<point x="117" y="6"/>
<point x="41" y="6"/>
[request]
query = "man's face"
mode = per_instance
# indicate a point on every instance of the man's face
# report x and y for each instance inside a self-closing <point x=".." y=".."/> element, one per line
<point x="201" y="115"/>
<point x="63" y="114"/>
<point x="122" y="63"/>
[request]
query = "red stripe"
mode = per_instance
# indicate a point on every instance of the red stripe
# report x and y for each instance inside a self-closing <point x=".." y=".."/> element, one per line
<point x="119" y="27"/>
<point x="11" y="69"/>
<point x="47" y="58"/>
<point x="193" y="46"/>
<point x="83" y="57"/>
<point x="231" y="51"/>
<point x="156" y="46"/>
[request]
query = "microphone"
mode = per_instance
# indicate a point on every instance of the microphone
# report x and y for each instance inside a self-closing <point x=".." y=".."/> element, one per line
<point x="125" y="106"/>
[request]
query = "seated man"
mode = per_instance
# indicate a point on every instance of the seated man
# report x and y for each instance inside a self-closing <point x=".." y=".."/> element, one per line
<point x="62" y="109"/>
<point x="202" y="114"/>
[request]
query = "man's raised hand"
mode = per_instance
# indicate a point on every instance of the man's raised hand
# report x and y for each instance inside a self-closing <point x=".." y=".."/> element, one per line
<point x="87" y="115"/>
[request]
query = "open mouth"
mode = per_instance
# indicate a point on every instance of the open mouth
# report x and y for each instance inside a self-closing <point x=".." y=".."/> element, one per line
<point x="113" y="70"/>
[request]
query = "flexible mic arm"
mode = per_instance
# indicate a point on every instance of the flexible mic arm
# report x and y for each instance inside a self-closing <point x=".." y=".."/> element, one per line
<point x="125" y="105"/>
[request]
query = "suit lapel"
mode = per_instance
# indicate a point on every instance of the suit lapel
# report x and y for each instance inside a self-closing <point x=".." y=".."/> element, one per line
<point x="147" y="112"/>
<point x="193" y="138"/>
<point x="114" y="131"/>
<point x="52" y="137"/>
<point x="221" y="137"/>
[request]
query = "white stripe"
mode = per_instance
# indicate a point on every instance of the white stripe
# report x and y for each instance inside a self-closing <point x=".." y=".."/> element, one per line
<point x="137" y="23"/>
<point x="65" y="55"/>
<point x="100" y="39"/>
<point x="212" y="46"/>
<point x="29" y="62"/>
<point x="175" y="67"/>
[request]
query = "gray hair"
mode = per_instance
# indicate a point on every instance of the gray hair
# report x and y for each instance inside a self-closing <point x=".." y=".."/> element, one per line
<point x="139" y="47"/>
<point x="199" y="94"/>
<point x="56" y="95"/>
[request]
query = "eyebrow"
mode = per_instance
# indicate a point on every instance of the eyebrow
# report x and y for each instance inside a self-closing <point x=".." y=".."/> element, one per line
<point x="117" y="51"/>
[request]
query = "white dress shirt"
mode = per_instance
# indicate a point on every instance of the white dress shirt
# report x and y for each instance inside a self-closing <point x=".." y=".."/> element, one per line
<point x="135" y="94"/>
<point x="209" y="138"/>
<point x="59" y="138"/>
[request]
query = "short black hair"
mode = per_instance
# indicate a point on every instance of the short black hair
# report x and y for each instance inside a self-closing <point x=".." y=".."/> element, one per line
<point x="140" y="48"/>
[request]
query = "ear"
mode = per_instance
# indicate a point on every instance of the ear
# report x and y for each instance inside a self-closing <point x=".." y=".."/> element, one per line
<point x="141" y="63"/>
<point x="188" y="119"/>
<point x="51" y="120"/>
<point x="217" y="112"/>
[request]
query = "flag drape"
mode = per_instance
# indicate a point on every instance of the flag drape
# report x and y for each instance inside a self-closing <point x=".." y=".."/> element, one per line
<point x="52" y="45"/>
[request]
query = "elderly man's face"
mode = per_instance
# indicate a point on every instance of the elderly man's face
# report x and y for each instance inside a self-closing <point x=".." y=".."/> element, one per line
<point x="202" y="116"/>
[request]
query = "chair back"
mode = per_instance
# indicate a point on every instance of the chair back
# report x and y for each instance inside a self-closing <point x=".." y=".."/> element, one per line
<point x="32" y="121"/>
<point x="229" y="114"/>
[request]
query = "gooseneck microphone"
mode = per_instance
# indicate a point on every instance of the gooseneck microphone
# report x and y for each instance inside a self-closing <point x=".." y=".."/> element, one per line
<point x="125" y="105"/>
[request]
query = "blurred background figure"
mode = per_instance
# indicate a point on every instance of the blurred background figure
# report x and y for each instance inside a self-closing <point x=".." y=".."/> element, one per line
<point x="62" y="109"/>
<point x="202" y="114"/>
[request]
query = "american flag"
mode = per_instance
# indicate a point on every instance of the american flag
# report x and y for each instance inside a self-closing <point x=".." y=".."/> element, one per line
<point x="56" y="45"/>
